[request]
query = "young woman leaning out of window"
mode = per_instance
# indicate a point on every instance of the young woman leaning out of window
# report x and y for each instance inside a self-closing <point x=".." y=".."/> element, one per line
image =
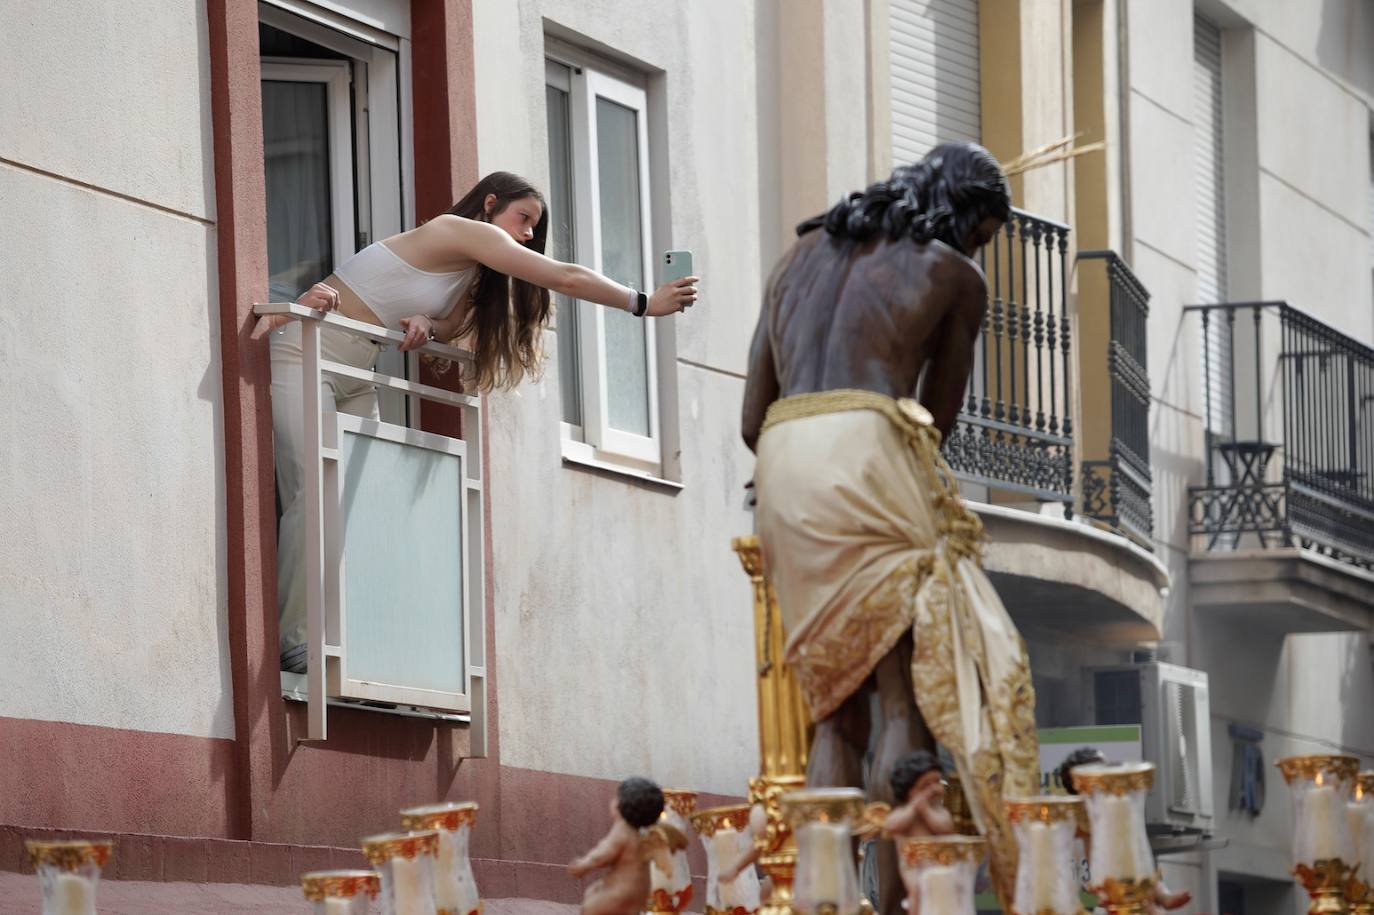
<point x="476" y="273"/>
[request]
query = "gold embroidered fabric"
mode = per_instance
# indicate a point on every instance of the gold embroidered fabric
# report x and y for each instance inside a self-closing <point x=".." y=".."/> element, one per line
<point x="864" y="536"/>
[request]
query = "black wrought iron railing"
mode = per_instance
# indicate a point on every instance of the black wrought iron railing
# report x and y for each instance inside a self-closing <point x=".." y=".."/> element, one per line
<point x="1290" y="412"/>
<point x="1117" y="490"/>
<point x="1016" y="430"/>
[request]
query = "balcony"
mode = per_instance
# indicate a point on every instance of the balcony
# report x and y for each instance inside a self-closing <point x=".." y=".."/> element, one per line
<point x="379" y="635"/>
<point x="1069" y="544"/>
<point x="1283" y="526"/>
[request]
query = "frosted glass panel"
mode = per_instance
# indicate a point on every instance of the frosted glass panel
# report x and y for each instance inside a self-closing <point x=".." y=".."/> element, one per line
<point x="402" y="564"/>
<point x="622" y="259"/>
<point x="561" y="246"/>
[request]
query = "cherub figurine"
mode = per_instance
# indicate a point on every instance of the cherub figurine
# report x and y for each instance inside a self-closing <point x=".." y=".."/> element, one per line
<point x="635" y="839"/>
<point x="918" y="784"/>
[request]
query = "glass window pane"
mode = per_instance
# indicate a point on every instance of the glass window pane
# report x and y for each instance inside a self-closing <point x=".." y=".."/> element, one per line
<point x="295" y="141"/>
<point x="401" y="514"/>
<point x="622" y="259"/>
<point x="562" y="247"/>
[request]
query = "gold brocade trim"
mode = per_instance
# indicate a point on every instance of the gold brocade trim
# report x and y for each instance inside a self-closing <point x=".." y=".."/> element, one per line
<point x="1045" y="809"/>
<point x="69" y="856"/>
<point x="1309" y="767"/>
<point x="928" y="594"/>
<point x="944" y="850"/>
<point x="680" y="801"/>
<point x="440" y="816"/>
<point x="380" y="849"/>
<point x="320" y="885"/>
<point x="836" y="662"/>
<point x="716" y="819"/>
<point x="1114" y="779"/>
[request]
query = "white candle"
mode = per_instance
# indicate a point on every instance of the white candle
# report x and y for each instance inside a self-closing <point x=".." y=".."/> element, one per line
<point x="73" y="895"/>
<point x="334" y="905"/>
<point x="448" y="889"/>
<point x="1118" y="820"/>
<point x="1366" y="833"/>
<point x="830" y="842"/>
<point x="1354" y="819"/>
<point x="938" y="886"/>
<point x="408" y="887"/>
<point x="1042" y="865"/>
<point x="1321" y="821"/>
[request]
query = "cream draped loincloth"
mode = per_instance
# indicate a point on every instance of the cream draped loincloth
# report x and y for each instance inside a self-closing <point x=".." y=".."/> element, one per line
<point x="864" y="537"/>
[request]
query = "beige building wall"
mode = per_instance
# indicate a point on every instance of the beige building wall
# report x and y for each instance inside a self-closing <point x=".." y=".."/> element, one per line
<point x="114" y="556"/>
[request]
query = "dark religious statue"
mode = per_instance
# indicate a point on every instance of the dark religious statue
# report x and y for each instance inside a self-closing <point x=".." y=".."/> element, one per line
<point x="856" y="372"/>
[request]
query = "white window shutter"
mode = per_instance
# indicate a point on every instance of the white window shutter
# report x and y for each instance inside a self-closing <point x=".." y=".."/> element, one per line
<point x="934" y="67"/>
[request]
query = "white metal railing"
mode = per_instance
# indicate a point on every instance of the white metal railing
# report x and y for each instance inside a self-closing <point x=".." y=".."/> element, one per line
<point x="383" y="499"/>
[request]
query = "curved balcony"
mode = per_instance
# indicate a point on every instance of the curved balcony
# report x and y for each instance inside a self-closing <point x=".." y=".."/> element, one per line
<point x="1069" y="544"/>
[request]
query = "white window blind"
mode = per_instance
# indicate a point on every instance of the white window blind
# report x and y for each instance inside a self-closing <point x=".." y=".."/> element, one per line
<point x="1211" y="215"/>
<point x="934" y="67"/>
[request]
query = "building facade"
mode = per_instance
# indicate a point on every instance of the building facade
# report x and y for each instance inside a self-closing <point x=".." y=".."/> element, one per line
<point x="1147" y="467"/>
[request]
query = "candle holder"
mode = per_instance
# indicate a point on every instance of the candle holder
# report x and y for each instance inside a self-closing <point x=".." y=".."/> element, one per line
<point x="725" y="834"/>
<point x="670" y="895"/>
<point x="1323" y="849"/>
<point x="823" y="821"/>
<point x="1359" y="890"/>
<point x="405" y="862"/>
<point x="957" y="805"/>
<point x="776" y="844"/>
<point x="68" y="873"/>
<point x="1046" y="881"/>
<point x="341" y="892"/>
<point x="939" y="873"/>
<point x="455" y="888"/>
<point x="1122" y="864"/>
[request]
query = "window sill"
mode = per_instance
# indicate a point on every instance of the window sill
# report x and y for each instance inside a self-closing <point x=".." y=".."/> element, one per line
<point x="293" y="689"/>
<point x="580" y="454"/>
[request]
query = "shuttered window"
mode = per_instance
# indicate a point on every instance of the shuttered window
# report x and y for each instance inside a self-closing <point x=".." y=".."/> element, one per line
<point x="934" y="67"/>
<point x="1211" y="216"/>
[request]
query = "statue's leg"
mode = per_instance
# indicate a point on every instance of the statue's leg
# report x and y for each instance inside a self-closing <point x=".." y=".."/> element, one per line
<point x="839" y="744"/>
<point x="901" y="730"/>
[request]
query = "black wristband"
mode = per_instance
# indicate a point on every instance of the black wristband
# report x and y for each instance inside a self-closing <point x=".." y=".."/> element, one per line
<point x="643" y="305"/>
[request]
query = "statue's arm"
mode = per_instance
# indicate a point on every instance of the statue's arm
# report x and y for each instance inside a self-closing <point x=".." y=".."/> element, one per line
<point x="946" y="379"/>
<point x="761" y="385"/>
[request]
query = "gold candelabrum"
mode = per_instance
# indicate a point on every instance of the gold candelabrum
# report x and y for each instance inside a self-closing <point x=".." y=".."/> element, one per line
<point x="1121" y="861"/>
<point x="784" y="734"/>
<point x="1325" y="853"/>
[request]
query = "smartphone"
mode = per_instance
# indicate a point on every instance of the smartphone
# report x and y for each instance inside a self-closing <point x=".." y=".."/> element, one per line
<point x="676" y="265"/>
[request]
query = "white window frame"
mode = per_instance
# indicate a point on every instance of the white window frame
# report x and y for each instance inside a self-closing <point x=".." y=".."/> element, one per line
<point x="336" y="77"/>
<point x="595" y="441"/>
<point x="380" y="134"/>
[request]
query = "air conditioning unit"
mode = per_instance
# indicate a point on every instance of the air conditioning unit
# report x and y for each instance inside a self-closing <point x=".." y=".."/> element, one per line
<point x="1171" y="705"/>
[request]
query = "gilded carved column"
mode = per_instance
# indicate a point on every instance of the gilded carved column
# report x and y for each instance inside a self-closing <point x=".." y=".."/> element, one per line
<point x="784" y="733"/>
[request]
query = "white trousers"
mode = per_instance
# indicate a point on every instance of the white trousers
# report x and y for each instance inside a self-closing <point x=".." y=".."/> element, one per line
<point x="344" y="395"/>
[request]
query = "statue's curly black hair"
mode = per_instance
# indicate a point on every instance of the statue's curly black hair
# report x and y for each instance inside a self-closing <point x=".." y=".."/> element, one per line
<point x="1083" y="756"/>
<point x="639" y="801"/>
<point x="909" y="769"/>
<point x="943" y="197"/>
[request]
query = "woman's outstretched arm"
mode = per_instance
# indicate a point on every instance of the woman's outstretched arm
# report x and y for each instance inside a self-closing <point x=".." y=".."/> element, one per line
<point x="489" y="245"/>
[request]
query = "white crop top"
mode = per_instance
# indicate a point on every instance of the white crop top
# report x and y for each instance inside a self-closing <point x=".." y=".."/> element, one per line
<point x="394" y="289"/>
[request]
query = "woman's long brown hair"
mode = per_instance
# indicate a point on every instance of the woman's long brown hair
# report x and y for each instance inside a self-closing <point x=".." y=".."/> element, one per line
<point x="506" y="323"/>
